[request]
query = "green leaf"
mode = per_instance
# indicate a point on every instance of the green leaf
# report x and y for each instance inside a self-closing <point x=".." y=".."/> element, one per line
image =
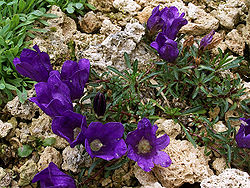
<point x="22" y="96"/>
<point x="70" y="9"/>
<point x="49" y="141"/>
<point x="10" y="87"/>
<point x="189" y="137"/>
<point x="192" y="110"/>
<point x="127" y="60"/>
<point x="90" y="6"/>
<point x="78" y="5"/>
<point x="118" y="165"/>
<point x="118" y="72"/>
<point x="91" y="168"/>
<point x="50" y="15"/>
<point x="24" y="151"/>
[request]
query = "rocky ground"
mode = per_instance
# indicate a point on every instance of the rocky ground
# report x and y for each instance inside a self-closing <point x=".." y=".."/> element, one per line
<point x="102" y="37"/>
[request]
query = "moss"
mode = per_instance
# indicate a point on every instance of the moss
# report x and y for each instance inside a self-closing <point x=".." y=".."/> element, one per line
<point x="53" y="29"/>
<point x="71" y="46"/>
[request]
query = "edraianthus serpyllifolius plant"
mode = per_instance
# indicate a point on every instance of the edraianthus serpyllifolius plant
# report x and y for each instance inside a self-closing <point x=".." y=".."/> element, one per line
<point x="111" y="148"/>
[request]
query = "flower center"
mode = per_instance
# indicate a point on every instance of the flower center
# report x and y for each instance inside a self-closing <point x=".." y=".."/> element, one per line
<point x="144" y="146"/>
<point x="96" y="145"/>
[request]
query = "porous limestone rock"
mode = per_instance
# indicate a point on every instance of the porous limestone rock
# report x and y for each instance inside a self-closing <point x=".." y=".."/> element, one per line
<point x="189" y="165"/>
<point x="40" y="125"/>
<point x="90" y="23"/>
<point x="72" y="158"/>
<point x="144" y="178"/>
<point x="199" y="22"/>
<point x="129" y="6"/>
<point x="229" y="13"/>
<point x="235" y="42"/>
<point x="111" y="50"/>
<point x="5" y="177"/>
<point x="153" y="185"/>
<point x="220" y="127"/>
<point x="23" y="132"/>
<point x="219" y="165"/>
<point x="55" y="41"/>
<point x="49" y="154"/>
<point x="144" y="14"/>
<point x="60" y="143"/>
<point x="27" y="172"/>
<point x="5" y="128"/>
<point x="123" y="176"/>
<point x="24" y="111"/>
<point x="169" y="127"/>
<point x="228" y="178"/>
<point x="102" y="5"/>
<point x="109" y="28"/>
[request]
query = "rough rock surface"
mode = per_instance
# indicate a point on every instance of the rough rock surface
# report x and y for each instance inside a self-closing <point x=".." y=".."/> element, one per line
<point x="111" y="50"/>
<point x="169" y="127"/>
<point x="229" y="14"/>
<point x="40" y="125"/>
<point x="102" y="5"/>
<point x="220" y="127"/>
<point x="228" y="178"/>
<point x="5" y="128"/>
<point x="49" y="154"/>
<point x="235" y="42"/>
<point x="90" y="23"/>
<point x="129" y="6"/>
<point x="55" y="41"/>
<point x="27" y="172"/>
<point x="189" y="165"/>
<point x="109" y="28"/>
<point x="199" y="22"/>
<point x="145" y="178"/>
<point x="72" y="158"/>
<point x="24" y="111"/>
<point x="5" y="177"/>
<point x="219" y="165"/>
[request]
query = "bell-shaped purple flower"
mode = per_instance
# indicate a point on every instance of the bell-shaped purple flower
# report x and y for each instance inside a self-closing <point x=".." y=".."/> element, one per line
<point x="53" y="177"/>
<point x="205" y="41"/>
<point x="173" y="22"/>
<point x="53" y="96"/>
<point x="33" y="64"/>
<point x="66" y="126"/>
<point x="99" y="104"/>
<point x="105" y="141"/>
<point x="145" y="148"/>
<point x="155" y="22"/>
<point x="167" y="48"/>
<point x="75" y="75"/>
<point x="243" y="136"/>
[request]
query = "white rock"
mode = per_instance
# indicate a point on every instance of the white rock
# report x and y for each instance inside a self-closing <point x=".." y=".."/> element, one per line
<point x="27" y="172"/>
<point x="235" y="42"/>
<point x="199" y="22"/>
<point x="219" y="165"/>
<point x="72" y="158"/>
<point x="50" y="154"/>
<point x="189" y="165"/>
<point x="220" y="127"/>
<point x="109" y="28"/>
<point x="5" y="128"/>
<point x="228" y="178"/>
<point x="129" y="6"/>
<point x="229" y="13"/>
<point x="169" y="127"/>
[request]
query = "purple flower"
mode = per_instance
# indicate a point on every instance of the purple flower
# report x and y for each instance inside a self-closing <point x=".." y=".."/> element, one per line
<point x="99" y="104"/>
<point x="205" y="41"/>
<point x="173" y="22"/>
<point x="167" y="48"/>
<point x="65" y="126"/>
<point x="243" y="135"/>
<point x="105" y="141"/>
<point x="53" y="177"/>
<point x="33" y="64"/>
<point x="75" y="75"/>
<point x="144" y="147"/>
<point x="155" y="22"/>
<point x="53" y="96"/>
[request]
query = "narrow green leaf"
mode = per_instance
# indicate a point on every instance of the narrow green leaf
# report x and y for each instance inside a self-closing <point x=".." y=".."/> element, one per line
<point x="189" y="137"/>
<point x="90" y="6"/>
<point x="118" y="165"/>
<point x="91" y="168"/>
<point x="118" y="72"/>
<point x="49" y="141"/>
<point x="127" y="60"/>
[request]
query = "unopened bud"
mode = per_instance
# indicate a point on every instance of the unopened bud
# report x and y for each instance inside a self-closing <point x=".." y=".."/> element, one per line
<point x="99" y="104"/>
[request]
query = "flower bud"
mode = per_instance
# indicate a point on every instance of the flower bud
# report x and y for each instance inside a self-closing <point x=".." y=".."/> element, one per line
<point x="99" y="104"/>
